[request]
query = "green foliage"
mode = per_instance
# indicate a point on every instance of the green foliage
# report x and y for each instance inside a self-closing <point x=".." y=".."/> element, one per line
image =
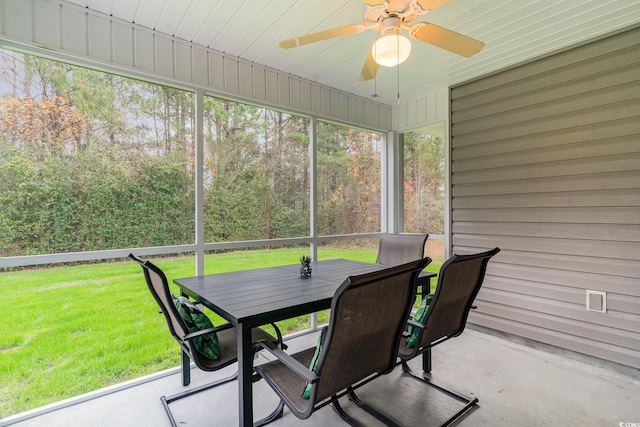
<point x="305" y="260"/>
<point x="78" y="204"/>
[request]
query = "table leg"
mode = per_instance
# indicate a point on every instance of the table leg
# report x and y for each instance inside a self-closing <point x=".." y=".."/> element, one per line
<point x="245" y="371"/>
<point x="426" y="361"/>
<point x="186" y="368"/>
<point x="185" y="361"/>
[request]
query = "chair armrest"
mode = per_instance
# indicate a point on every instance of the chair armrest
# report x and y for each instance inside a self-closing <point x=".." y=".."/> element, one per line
<point x="291" y="363"/>
<point x="207" y="331"/>
<point x="415" y="324"/>
<point x="281" y="343"/>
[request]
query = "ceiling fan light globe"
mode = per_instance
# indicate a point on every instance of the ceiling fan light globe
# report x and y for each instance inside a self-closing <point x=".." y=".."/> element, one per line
<point x="391" y="50"/>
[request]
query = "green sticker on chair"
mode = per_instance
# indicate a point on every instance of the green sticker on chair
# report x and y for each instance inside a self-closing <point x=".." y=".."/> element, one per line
<point x="195" y="319"/>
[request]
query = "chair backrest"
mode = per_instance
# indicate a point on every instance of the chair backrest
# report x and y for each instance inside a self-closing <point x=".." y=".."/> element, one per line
<point x="368" y="313"/>
<point x="396" y="249"/>
<point x="459" y="281"/>
<point x="159" y="288"/>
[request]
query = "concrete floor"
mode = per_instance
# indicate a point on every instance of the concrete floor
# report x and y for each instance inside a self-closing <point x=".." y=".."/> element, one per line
<point x="517" y="384"/>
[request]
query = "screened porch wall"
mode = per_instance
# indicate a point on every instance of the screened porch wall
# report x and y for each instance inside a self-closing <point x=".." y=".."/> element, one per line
<point x="566" y="212"/>
<point x="545" y="162"/>
<point x="79" y="35"/>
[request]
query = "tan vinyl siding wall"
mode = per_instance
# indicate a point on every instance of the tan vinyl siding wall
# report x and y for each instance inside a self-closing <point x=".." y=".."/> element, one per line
<point x="545" y="164"/>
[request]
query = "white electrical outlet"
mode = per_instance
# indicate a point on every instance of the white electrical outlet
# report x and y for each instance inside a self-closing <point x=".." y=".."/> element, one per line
<point x="597" y="301"/>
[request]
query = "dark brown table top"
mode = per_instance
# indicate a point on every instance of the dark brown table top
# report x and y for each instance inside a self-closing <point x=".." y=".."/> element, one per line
<point x="270" y="294"/>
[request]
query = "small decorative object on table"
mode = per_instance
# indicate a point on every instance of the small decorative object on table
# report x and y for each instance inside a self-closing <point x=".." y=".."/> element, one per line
<point x="305" y="266"/>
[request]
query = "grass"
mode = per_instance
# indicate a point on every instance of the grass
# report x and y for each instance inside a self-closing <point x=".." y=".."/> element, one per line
<point x="66" y="331"/>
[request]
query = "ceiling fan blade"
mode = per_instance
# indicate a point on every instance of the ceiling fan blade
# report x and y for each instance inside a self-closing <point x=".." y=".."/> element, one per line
<point x="431" y="4"/>
<point x="322" y="35"/>
<point x="370" y="68"/>
<point x="446" y="39"/>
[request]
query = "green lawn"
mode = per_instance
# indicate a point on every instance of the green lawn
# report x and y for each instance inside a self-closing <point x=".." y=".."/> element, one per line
<point x="70" y="330"/>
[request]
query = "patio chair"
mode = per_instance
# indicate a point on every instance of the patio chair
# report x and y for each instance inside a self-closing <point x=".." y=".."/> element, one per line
<point x="226" y="334"/>
<point x="396" y="249"/>
<point x="368" y="314"/>
<point x="459" y="281"/>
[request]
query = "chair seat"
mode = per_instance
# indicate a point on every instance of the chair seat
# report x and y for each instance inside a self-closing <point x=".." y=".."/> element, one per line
<point x="403" y="351"/>
<point x="288" y="382"/>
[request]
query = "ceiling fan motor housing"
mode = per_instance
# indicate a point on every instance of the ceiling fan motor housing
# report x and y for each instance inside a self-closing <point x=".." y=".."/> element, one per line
<point x="391" y="25"/>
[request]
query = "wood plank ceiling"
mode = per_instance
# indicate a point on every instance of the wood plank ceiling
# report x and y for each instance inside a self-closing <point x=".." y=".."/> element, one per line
<point x="512" y="30"/>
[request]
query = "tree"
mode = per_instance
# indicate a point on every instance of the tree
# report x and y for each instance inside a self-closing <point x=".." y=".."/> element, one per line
<point x="44" y="128"/>
<point x="423" y="183"/>
<point x="256" y="178"/>
<point x="349" y="180"/>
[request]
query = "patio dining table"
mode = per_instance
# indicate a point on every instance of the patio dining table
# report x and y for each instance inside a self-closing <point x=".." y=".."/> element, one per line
<point x="251" y="298"/>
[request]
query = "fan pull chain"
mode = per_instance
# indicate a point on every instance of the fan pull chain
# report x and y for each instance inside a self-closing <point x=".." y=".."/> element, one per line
<point x="398" y="70"/>
<point x="375" y="76"/>
<point x="398" y="100"/>
<point x="375" y="86"/>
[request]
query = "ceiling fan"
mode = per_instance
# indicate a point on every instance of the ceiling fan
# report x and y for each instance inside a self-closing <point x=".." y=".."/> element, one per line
<point x="391" y="48"/>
